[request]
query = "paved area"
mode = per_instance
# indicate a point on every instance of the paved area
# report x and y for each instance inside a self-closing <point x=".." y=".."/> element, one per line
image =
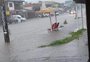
<point x="27" y="36"/>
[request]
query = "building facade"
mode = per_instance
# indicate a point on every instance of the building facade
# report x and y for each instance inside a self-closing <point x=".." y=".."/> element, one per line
<point x="15" y="4"/>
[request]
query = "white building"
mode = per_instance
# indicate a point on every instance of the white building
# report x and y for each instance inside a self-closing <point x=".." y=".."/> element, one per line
<point x="14" y="4"/>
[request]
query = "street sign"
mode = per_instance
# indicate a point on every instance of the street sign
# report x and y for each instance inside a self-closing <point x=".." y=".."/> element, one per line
<point x="7" y="12"/>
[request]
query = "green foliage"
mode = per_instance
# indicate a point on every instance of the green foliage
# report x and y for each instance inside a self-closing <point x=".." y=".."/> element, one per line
<point x="74" y="35"/>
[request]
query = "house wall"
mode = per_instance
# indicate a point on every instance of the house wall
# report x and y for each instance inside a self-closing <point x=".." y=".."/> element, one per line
<point x="36" y="7"/>
<point x="29" y="8"/>
<point x="11" y="6"/>
<point x="16" y="4"/>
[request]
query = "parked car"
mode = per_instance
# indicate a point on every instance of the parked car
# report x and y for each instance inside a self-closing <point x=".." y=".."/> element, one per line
<point x="16" y="19"/>
<point x="43" y="15"/>
<point x="57" y="13"/>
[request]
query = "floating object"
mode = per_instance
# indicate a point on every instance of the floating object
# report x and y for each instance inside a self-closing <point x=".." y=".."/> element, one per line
<point x="65" y="22"/>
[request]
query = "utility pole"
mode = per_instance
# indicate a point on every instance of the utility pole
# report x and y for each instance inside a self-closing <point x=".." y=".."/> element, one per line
<point x="50" y="19"/>
<point x="82" y="15"/>
<point x="56" y="16"/>
<point x="5" y="25"/>
<point x="76" y="11"/>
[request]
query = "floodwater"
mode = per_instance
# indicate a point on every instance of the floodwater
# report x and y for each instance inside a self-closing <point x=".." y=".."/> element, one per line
<point x="26" y="37"/>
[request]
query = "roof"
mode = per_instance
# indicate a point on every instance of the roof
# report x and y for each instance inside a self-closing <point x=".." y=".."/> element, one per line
<point x="47" y="10"/>
<point x="28" y="5"/>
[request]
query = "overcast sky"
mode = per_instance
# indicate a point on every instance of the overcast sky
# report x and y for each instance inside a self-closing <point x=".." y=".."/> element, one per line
<point x="46" y="0"/>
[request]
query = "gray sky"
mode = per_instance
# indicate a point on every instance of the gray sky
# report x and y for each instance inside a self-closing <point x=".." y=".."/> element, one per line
<point x="46" y="0"/>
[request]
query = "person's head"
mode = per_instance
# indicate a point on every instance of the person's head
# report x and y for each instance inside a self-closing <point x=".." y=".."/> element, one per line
<point x="57" y="23"/>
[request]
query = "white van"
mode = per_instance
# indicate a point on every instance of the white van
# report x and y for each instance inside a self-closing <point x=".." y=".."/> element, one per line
<point x="17" y="18"/>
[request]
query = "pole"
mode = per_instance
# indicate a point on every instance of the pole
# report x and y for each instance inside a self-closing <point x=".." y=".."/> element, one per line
<point x="75" y="11"/>
<point x="5" y="25"/>
<point x="50" y="20"/>
<point x="88" y="25"/>
<point x="82" y="15"/>
<point x="55" y="17"/>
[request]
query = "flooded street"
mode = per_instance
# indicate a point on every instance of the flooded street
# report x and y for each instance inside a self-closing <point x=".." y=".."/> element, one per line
<point x="26" y="37"/>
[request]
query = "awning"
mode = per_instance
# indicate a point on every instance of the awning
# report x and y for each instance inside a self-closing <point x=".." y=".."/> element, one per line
<point x="47" y="10"/>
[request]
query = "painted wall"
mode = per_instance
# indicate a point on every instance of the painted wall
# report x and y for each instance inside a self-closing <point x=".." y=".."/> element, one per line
<point x="11" y="6"/>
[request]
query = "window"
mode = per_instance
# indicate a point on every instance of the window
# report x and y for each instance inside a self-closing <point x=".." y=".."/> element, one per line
<point x="10" y="5"/>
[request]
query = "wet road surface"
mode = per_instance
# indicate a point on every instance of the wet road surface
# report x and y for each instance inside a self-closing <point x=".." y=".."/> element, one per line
<point x="27" y="36"/>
